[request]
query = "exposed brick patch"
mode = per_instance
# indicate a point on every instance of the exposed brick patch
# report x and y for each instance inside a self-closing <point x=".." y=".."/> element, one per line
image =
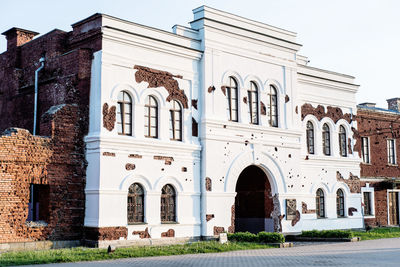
<point x="211" y="89"/>
<point x="218" y="230"/>
<point x="184" y="169"/>
<point x="223" y="89"/>
<point x="231" y="228"/>
<point x="334" y="113"/>
<point x="287" y="98"/>
<point x="142" y="234"/>
<point x="296" y="110"/>
<point x="130" y="166"/>
<point x="158" y="78"/>
<point x="169" y="233"/>
<point x="194" y="103"/>
<point x="296" y="219"/>
<point x="351" y="210"/>
<point x="305" y="210"/>
<point x="263" y="108"/>
<point x="208" y="184"/>
<point x="109" y="117"/>
<point x="168" y="160"/>
<point x="135" y="156"/>
<point x="195" y="128"/>
<point x="353" y="182"/>
<point x="209" y="217"/>
<point x="109" y="154"/>
<point x="245" y="99"/>
<point x="105" y="233"/>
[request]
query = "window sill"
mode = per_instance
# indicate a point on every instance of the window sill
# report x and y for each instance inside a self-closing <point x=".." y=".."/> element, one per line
<point x="137" y="223"/>
<point x="369" y="216"/>
<point x="169" y="223"/>
<point x="36" y="224"/>
<point x="365" y="163"/>
<point x="392" y="165"/>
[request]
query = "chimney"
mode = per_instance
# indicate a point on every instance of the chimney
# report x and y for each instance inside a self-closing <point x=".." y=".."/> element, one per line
<point x="394" y="104"/>
<point x="17" y="37"/>
<point x="368" y="104"/>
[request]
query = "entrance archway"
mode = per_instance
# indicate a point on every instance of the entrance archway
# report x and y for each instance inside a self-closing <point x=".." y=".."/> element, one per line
<point x="253" y="202"/>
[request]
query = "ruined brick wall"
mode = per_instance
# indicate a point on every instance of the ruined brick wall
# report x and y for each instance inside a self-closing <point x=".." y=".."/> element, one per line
<point x="53" y="161"/>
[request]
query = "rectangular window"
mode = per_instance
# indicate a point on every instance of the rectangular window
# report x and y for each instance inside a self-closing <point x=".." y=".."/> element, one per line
<point x="391" y="151"/>
<point x="365" y="149"/>
<point x="367" y="204"/>
<point x="38" y="202"/>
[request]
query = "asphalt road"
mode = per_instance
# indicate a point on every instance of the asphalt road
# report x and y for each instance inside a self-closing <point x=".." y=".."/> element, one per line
<point x="382" y="252"/>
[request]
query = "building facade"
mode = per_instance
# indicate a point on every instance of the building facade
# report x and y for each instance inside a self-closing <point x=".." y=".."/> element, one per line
<point x="377" y="143"/>
<point x="218" y="127"/>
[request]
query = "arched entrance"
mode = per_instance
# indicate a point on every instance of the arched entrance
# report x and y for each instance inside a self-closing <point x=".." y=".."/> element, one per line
<point x="253" y="202"/>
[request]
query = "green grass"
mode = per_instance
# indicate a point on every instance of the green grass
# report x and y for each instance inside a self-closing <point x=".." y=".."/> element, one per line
<point x="378" y="233"/>
<point x="90" y="254"/>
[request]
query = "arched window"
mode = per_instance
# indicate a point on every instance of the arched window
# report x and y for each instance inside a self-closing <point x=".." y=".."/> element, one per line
<point x="326" y="139"/>
<point x="124" y="113"/>
<point x="151" y="117"/>
<point x="135" y="204"/>
<point x="342" y="141"/>
<point x="340" y="203"/>
<point x="310" y="137"/>
<point x="232" y="95"/>
<point x="168" y="203"/>
<point x="273" y="106"/>
<point x="320" y="203"/>
<point x="175" y="121"/>
<point x="253" y="103"/>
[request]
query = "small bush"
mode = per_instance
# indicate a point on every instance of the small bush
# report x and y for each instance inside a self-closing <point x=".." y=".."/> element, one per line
<point x="242" y="237"/>
<point x="262" y="237"/>
<point x="328" y="234"/>
<point x="265" y="237"/>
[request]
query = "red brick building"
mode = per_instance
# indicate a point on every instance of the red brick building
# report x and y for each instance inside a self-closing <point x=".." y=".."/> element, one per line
<point x="379" y="147"/>
<point x="42" y="177"/>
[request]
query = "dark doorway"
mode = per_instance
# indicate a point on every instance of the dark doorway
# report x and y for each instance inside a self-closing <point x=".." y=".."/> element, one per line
<point x="253" y="202"/>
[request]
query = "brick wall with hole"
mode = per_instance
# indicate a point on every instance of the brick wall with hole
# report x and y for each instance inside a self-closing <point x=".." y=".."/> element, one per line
<point x="55" y="167"/>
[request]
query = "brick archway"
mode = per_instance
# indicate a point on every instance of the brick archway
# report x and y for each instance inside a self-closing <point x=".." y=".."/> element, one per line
<point x="253" y="201"/>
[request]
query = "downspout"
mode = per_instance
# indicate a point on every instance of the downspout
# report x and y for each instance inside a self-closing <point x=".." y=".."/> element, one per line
<point x="41" y="61"/>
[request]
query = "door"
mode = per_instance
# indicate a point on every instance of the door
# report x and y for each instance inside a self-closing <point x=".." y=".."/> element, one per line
<point x="393" y="208"/>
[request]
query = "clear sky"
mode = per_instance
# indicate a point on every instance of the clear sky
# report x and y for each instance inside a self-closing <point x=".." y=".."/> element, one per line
<point x="355" y="37"/>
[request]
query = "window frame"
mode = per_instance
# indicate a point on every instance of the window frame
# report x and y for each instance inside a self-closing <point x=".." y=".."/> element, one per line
<point x="172" y="121"/>
<point x="320" y="204"/>
<point x="273" y="106"/>
<point x="121" y="115"/>
<point x="168" y="214"/>
<point x="138" y="210"/>
<point x="391" y="151"/>
<point x="365" y="150"/>
<point x="340" y="204"/>
<point x="253" y="99"/>
<point x="371" y="191"/>
<point x="342" y="141"/>
<point x="326" y="140"/>
<point x="147" y="117"/>
<point x="310" y="138"/>
<point x="233" y="86"/>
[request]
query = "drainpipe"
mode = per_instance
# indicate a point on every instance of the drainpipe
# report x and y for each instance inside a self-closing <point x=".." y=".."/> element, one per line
<point x="41" y="61"/>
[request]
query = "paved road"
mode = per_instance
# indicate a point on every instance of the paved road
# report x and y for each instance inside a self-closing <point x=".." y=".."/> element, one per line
<point x="383" y="252"/>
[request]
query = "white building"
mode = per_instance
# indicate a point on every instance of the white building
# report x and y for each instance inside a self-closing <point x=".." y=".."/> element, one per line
<point x="237" y="154"/>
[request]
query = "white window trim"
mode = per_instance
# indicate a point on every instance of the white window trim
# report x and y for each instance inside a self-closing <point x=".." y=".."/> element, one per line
<point x="387" y="203"/>
<point x="369" y="150"/>
<point x="372" y="191"/>
<point x="394" y="151"/>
